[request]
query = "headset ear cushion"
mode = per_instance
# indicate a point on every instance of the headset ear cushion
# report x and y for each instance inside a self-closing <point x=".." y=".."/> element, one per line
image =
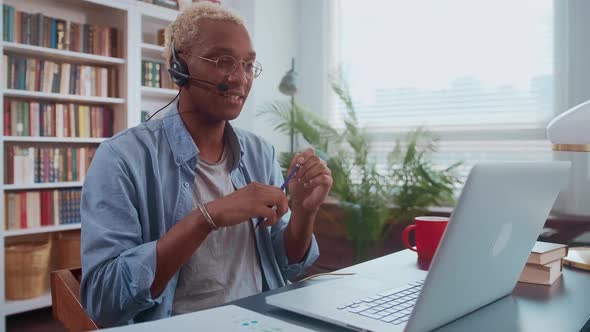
<point x="179" y="72"/>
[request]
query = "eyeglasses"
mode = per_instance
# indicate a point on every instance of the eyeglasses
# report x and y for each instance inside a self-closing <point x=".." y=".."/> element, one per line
<point x="228" y="65"/>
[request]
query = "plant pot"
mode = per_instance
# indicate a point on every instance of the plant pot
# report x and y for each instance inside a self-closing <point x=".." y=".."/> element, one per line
<point x="335" y="248"/>
<point x="392" y="241"/>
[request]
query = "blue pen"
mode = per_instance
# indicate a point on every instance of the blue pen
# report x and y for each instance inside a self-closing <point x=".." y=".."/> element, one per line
<point x="289" y="177"/>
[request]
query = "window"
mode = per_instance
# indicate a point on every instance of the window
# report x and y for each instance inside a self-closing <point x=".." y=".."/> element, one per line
<point x="478" y="73"/>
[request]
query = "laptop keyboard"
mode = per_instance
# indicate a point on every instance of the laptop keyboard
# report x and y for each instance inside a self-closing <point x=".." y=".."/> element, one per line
<point x="391" y="306"/>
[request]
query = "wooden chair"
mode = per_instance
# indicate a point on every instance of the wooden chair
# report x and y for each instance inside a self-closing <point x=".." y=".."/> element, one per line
<point x="65" y="300"/>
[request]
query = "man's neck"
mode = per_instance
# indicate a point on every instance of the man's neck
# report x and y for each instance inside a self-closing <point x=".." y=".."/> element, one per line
<point x="207" y="135"/>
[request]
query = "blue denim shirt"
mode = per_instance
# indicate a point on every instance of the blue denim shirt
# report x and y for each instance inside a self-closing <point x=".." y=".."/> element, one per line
<point x="139" y="184"/>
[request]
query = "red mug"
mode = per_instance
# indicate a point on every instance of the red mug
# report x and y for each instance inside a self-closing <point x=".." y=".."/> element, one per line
<point x="429" y="231"/>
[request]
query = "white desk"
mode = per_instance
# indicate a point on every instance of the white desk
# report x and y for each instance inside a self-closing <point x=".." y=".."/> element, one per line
<point x="564" y="307"/>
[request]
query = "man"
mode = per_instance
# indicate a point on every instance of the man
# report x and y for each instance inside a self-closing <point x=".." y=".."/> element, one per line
<point x="185" y="212"/>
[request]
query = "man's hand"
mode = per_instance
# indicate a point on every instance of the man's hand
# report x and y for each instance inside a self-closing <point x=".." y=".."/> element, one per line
<point x="252" y="201"/>
<point x="311" y="184"/>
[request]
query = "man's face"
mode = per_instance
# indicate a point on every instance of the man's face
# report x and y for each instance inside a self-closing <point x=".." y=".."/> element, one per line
<point x="219" y="38"/>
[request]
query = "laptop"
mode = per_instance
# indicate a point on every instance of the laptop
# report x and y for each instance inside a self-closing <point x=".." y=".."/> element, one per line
<point x="499" y="215"/>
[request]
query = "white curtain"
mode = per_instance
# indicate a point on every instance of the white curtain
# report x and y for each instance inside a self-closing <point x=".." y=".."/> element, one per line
<point x="572" y="53"/>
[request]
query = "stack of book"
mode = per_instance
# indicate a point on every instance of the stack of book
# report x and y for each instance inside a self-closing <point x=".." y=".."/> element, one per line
<point x="32" y="209"/>
<point x="544" y="263"/>
<point x="26" y="73"/>
<point x="155" y="74"/>
<point x="50" y="119"/>
<point x="40" y="30"/>
<point x="43" y="164"/>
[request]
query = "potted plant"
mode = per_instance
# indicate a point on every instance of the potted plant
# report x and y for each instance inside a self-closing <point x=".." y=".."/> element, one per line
<point x="368" y="202"/>
<point x="416" y="184"/>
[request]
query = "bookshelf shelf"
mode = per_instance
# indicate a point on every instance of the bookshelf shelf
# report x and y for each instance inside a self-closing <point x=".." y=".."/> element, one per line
<point x="80" y="140"/>
<point x="147" y="47"/>
<point x="44" y="229"/>
<point x="122" y="15"/>
<point x="152" y="51"/>
<point x="59" y="96"/>
<point x="157" y="12"/>
<point x="48" y="185"/>
<point x="54" y="54"/>
<point x="15" y="307"/>
<point x="158" y="92"/>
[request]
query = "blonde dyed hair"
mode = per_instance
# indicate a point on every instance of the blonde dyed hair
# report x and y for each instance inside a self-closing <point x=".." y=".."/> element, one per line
<point x="185" y="29"/>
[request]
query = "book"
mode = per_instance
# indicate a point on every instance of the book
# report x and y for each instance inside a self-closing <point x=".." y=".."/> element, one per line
<point x="172" y="4"/>
<point x="160" y="36"/>
<point x="541" y="274"/>
<point x="58" y="33"/>
<point x="544" y="252"/>
<point x="31" y="209"/>
<point x="578" y="257"/>
<point x="144" y="116"/>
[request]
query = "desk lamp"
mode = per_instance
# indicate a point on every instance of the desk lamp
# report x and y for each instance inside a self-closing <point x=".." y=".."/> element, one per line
<point x="288" y="86"/>
<point x="569" y="133"/>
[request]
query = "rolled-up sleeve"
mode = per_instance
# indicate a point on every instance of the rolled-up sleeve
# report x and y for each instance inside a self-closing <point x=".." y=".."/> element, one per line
<point x="118" y="267"/>
<point x="289" y="271"/>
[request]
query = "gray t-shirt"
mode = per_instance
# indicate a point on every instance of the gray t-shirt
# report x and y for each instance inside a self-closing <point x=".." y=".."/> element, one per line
<point x="225" y="267"/>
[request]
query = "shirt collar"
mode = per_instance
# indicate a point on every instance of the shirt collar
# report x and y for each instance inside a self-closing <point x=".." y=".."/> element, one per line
<point x="184" y="148"/>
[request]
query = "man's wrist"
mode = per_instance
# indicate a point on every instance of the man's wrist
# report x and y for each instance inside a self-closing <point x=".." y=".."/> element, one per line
<point x="301" y="219"/>
<point x="201" y="224"/>
<point x="303" y="212"/>
<point x="299" y="233"/>
<point x="214" y="213"/>
<point x="207" y="216"/>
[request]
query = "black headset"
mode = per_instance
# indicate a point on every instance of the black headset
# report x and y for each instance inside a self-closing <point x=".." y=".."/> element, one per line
<point x="178" y="69"/>
<point x="180" y="76"/>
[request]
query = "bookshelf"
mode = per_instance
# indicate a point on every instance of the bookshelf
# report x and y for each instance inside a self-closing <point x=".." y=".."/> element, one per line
<point x="150" y="92"/>
<point x="152" y="52"/>
<point x="137" y="23"/>
<point x="80" y="140"/>
<point x="151" y="49"/>
<point x="104" y="13"/>
<point x="37" y="95"/>
<point x="15" y="307"/>
<point x="157" y="12"/>
<point x="54" y="54"/>
<point x="44" y="229"/>
<point x="48" y="185"/>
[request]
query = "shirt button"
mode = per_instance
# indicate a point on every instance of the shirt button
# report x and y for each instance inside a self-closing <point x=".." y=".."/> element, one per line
<point x="186" y="184"/>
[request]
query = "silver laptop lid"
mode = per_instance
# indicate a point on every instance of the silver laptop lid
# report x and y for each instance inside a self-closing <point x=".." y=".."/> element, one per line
<point x="499" y="215"/>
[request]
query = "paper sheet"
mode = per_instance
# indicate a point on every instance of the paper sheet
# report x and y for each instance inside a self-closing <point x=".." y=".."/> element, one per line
<point x="227" y="318"/>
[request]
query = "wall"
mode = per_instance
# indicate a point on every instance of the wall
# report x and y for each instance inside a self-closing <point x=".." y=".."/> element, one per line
<point x="314" y="60"/>
<point x="274" y="35"/>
